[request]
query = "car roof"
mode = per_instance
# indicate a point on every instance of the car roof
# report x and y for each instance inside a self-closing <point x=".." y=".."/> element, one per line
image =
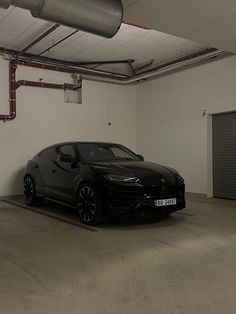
<point x="83" y="142"/>
<point x="75" y="142"/>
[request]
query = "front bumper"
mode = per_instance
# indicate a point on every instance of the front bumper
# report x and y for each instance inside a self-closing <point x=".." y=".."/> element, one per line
<point x="141" y="200"/>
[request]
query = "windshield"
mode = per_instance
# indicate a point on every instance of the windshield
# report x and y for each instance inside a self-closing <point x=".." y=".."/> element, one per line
<point x="105" y="152"/>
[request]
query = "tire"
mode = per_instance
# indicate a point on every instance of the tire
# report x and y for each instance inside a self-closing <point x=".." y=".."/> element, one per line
<point x="30" y="191"/>
<point x="89" y="205"/>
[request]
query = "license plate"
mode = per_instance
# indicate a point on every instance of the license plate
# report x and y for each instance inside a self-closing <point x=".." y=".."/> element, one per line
<point x="167" y="202"/>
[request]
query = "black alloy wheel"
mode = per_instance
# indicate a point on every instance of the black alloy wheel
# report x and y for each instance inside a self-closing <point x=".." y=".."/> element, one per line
<point x="29" y="191"/>
<point x="89" y="205"/>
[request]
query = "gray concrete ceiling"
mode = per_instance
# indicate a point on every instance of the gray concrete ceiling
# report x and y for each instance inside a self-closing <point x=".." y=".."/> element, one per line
<point x="211" y="22"/>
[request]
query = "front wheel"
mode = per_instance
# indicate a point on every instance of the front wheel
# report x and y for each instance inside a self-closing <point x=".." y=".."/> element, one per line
<point x="29" y="191"/>
<point x="89" y="205"/>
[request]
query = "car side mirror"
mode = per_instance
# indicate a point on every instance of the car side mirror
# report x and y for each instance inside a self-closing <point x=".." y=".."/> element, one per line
<point x="140" y="157"/>
<point x="66" y="158"/>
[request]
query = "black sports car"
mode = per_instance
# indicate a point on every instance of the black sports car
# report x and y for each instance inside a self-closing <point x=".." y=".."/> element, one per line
<point x="102" y="178"/>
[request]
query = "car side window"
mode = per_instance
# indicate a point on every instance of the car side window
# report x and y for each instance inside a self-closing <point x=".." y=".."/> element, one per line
<point x="49" y="154"/>
<point x="66" y="150"/>
<point x="120" y="153"/>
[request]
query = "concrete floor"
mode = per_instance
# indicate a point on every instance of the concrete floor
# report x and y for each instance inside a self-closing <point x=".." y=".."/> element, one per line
<point x="182" y="265"/>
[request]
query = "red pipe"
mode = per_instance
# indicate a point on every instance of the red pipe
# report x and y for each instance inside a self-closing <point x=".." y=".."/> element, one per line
<point x="12" y="93"/>
<point x="13" y="85"/>
<point x="63" y="69"/>
<point x="131" y="67"/>
<point x="37" y="40"/>
<point x="44" y="85"/>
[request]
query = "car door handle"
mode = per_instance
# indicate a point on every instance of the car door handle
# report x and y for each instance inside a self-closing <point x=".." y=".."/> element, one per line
<point x="53" y="170"/>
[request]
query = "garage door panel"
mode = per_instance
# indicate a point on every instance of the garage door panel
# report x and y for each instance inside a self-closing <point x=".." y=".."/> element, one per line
<point x="224" y="155"/>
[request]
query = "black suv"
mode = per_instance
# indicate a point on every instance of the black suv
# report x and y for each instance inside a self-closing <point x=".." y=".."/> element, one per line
<point x="102" y="178"/>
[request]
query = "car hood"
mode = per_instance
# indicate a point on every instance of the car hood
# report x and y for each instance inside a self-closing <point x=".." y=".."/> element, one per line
<point x="149" y="173"/>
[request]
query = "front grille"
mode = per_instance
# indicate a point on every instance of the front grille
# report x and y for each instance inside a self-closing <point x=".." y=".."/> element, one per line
<point x="155" y="191"/>
<point x="163" y="190"/>
<point x="126" y="198"/>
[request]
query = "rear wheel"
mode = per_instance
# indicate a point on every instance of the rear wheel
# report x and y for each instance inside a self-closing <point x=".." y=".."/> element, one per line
<point x="89" y="205"/>
<point x="30" y="191"/>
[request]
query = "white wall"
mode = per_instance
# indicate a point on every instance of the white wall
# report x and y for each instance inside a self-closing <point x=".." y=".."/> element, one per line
<point x="43" y="119"/>
<point x="170" y="127"/>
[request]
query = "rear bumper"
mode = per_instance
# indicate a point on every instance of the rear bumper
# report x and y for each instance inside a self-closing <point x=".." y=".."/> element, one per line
<point x="142" y="200"/>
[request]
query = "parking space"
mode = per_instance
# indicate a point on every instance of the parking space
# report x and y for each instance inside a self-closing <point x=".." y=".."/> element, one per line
<point x="134" y="265"/>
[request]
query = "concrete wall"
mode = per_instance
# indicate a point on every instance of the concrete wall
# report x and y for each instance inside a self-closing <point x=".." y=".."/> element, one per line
<point x="43" y="119"/>
<point x="171" y="127"/>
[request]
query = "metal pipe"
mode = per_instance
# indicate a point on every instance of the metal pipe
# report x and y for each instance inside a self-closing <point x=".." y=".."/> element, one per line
<point x="103" y="62"/>
<point x="12" y="93"/>
<point x="131" y="66"/>
<point x="173" y="62"/>
<point x="100" y="17"/>
<point x="157" y="71"/>
<point x="4" y="4"/>
<point x="47" y="63"/>
<point x="13" y="86"/>
<point x="171" y="66"/>
<point x="178" y="64"/>
<point x="66" y="69"/>
<point x="31" y="5"/>
<point x="12" y="54"/>
<point x="44" y="85"/>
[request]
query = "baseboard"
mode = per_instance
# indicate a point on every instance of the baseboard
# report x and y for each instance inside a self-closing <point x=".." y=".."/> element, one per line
<point x="196" y="195"/>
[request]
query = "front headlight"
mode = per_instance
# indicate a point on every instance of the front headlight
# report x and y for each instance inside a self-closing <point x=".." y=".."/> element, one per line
<point x="180" y="179"/>
<point x="121" y="178"/>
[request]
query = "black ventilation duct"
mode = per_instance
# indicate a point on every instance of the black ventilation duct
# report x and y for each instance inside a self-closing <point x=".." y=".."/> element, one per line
<point x="100" y="17"/>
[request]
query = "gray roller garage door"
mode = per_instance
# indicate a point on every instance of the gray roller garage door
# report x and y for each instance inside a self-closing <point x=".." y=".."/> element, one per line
<point x="224" y="155"/>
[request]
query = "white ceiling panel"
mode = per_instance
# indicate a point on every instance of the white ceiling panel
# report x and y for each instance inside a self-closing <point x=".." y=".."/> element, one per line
<point x="19" y="18"/>
<point x="4" y="13"/>
<point x="54" y="38"/>
<point x="18" y="29"/>
<point x="211" y="22"/>
<point x="27" y="36"/>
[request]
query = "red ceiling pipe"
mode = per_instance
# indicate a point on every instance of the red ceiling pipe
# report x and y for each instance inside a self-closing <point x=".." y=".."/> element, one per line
<point x="13" y="86"/>
<point x="12" y="93"/>
<point x="131" y="67"/>
<point x="173" y="62"/>
<point x="64" y="69"/>
<point x="44" y="85"/>
<point x="37" y="40"/>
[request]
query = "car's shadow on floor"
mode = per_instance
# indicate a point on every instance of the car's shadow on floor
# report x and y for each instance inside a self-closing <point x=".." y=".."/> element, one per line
<point x="141" y="222"/>
<point x="120" y="221"/>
